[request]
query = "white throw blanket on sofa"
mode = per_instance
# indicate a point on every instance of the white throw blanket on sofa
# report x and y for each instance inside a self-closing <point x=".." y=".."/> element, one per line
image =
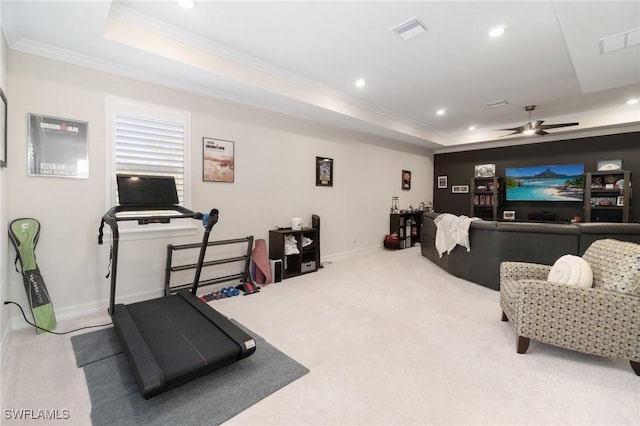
<point x="452" y="230"/>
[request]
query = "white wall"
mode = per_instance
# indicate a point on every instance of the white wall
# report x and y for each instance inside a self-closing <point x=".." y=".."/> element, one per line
<point x="4" y="257"/>
<point x="274" y="180"/>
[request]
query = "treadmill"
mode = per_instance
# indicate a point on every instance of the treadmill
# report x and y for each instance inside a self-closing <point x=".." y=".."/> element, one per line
<point x="173" y="339"/>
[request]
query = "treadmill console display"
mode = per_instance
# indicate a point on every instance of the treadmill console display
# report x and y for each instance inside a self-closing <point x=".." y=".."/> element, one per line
<point x="136" y="190"/>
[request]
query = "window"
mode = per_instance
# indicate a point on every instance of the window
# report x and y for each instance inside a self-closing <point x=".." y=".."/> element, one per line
<point x="149" y="146"/>
<point x="147" y="139"/>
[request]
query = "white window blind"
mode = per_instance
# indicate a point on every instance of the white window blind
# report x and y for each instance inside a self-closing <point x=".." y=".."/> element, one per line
<point x="150" y="146"/>
<point x="152" y="140"/>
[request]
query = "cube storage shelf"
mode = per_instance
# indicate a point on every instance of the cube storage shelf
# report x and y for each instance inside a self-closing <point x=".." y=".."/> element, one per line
<point x="407" y="227"/>
<point x="487" y="197"/>
<point x="607" y="196"/>
<point x="305" y="261"/>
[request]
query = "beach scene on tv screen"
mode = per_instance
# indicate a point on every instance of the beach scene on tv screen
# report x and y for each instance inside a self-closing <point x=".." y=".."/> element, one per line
<point x="564" y="182"/>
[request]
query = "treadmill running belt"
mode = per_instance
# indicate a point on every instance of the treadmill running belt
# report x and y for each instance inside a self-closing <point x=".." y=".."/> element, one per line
<point x="182" y="340"/>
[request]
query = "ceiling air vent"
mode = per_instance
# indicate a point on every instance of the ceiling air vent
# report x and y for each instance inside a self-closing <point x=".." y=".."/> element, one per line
<point x="620" y="41"/>
<point x="498" y="103"/>
<point x="409" y="29"/>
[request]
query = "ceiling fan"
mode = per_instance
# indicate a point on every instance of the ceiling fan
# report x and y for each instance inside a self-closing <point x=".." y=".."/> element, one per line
<point x="535" y="126"/>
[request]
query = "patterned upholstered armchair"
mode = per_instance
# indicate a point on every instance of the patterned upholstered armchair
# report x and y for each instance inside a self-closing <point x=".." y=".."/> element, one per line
<point x="601" y="320"/>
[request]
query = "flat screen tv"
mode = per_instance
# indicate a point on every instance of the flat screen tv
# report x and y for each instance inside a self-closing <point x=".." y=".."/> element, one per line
<point x="564" y="182"/>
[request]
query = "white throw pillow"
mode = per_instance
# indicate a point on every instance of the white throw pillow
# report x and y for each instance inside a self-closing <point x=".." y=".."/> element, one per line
<point x="571" y="270"/>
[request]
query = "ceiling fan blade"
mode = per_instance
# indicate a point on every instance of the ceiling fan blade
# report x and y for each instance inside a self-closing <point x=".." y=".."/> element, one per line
<point x="513" y="129"/>
<point x="509" y="134"/>
<point x="555" y="126"/>
<point x="535" y="126"/>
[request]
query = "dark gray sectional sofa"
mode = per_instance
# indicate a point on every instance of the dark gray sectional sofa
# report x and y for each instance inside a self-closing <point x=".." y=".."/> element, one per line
<point x="493" y="242"/>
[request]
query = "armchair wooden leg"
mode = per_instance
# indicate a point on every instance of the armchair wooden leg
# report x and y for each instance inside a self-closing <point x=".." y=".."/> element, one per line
<point x="522" y="344"/>
<point x="504" y="317"/>
<point x="636" y="367"/>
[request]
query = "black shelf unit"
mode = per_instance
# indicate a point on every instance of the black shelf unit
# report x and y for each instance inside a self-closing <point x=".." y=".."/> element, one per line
<point x="407" y="226"/>
<point x="607" y="196"/>
<point x="487" y="197"/>
<point x="306" y="260"/>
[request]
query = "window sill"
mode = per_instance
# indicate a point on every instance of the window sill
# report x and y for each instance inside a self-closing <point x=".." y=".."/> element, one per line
<point x="151" y="231"/>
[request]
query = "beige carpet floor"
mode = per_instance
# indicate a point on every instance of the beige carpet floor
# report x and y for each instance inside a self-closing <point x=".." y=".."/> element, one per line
<point x="390" y="339"/>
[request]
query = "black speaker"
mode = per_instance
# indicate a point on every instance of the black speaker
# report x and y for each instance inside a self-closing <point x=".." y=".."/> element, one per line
<point x="276" y="270"/>
<point x="315" y="223"/>
<point x="542" y="216"/>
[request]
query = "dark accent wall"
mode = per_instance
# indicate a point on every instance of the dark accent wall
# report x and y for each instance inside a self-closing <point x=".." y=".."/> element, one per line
<point x="459" y="169"/>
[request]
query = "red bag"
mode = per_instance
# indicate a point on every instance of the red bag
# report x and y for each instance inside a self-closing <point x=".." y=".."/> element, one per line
<point x="392" y="241"/>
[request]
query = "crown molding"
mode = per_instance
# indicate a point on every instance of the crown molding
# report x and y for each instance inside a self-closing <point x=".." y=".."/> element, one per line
<point x="612" y="129"/>
<point x="90" y="62"/>
<point x="140" y="20"/>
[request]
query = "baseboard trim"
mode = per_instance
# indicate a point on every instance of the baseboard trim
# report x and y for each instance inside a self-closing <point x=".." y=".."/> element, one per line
<point x="4" y="342"/>
<point x="345" y="254"/>
<point x="77" y="311"/>
<point x="16" y="322"/>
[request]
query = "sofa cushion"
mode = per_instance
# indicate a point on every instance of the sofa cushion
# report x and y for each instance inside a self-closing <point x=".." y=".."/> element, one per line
<point x="571" y="270"/>
<point x="493" y="242"/>
<point x="615" y="265"/>
<point x="593" y="231"/>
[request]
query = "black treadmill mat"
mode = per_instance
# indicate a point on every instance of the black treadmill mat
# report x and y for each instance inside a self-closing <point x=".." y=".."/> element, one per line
<point x="208" y="400"/>
<point x="181" y="339"/>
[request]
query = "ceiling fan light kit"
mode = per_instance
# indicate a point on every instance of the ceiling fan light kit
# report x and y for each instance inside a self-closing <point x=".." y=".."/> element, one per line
<point x="535" y="126"/>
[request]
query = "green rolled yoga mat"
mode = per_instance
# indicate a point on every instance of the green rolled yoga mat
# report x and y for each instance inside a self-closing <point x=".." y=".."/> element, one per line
<point x="24" y="234"/>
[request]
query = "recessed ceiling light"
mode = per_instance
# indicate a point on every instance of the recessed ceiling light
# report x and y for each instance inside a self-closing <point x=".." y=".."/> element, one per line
<point x="473" y="127"/>
<point x="632" y="101"/>
<point x="441" y="111"/>
<point x="361" y="82"/>
<point x="187" y="4"/>
<point x="496" y="31"/>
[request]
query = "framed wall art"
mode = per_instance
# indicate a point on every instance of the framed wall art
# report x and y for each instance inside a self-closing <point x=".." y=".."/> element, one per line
<point x="442" y="181"/>
<point x="484" y="170"/>
<point x="406" y="180"/>
<point x="218" y="162"/>
<point x="324" y="171"/>
<point x="460" y="189"/>
<point x="57" y="147"/>
<point x="605" y="165"/>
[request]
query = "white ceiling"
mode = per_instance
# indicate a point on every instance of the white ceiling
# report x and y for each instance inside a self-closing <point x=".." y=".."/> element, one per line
<point x="302" y="58"/>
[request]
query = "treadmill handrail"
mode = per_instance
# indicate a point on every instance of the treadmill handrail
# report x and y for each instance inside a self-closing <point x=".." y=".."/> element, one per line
<point x="111" y="218"/>
<point x="180" y="212"/>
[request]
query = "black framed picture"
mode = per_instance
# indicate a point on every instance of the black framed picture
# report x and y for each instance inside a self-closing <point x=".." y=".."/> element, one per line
<point x="58" y="147"/>
<point x="3" y="130"/>
<point x="442" y="181"/>
<point x="406" y="180"/>
<point x="324" y="171"/>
